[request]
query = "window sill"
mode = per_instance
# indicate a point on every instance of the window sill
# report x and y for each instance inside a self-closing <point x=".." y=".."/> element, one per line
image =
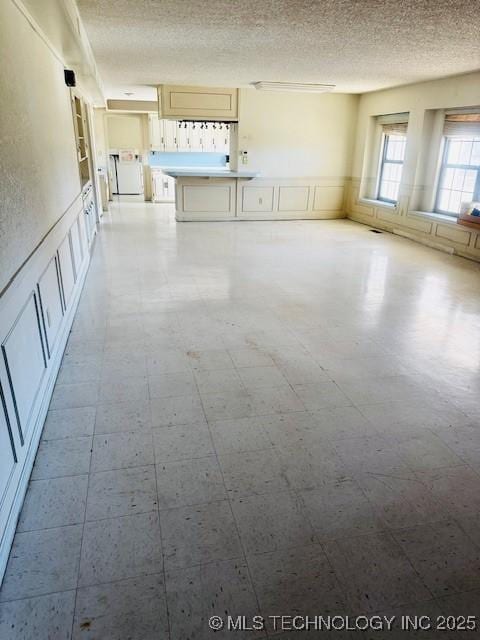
<point x="378" y="203"/>
<point x="439" y="217"/>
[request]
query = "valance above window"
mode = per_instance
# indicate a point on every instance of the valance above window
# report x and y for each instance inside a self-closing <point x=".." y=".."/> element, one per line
<point x="460" y="125"/>
<point x="394" y="124"/>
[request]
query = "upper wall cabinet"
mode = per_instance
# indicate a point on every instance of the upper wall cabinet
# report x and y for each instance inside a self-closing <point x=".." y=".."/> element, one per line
<point x="197" y="103"/>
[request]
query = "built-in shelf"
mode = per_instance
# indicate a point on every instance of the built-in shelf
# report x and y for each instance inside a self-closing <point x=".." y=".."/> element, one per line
<point x="81" y="133"/>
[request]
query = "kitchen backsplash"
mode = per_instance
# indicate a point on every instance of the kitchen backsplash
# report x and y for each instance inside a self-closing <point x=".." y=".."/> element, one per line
<point x="187" y="159"/>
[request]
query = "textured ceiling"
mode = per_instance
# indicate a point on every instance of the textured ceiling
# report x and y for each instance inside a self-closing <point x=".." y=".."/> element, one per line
<point x="358" y="45"/>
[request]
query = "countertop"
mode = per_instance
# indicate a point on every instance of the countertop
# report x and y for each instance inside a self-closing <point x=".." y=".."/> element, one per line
<point x="204" y="172"/>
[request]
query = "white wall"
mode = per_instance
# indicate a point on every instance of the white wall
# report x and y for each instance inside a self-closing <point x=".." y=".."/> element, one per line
<point x="457" y="91"/>
<point x="422" y="101"/>
<point x="297" y="134"/>
<point x="126" y="131"/>
<point x="38" y="169"/>
<point x="301" y="146"/>
<point x="100" y="135"/>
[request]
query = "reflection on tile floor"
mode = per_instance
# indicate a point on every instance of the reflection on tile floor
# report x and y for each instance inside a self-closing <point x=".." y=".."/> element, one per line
<point x="255" y="419"/>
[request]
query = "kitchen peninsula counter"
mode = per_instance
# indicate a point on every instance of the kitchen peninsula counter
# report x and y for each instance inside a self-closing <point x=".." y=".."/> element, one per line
<point x="207" y="194"/>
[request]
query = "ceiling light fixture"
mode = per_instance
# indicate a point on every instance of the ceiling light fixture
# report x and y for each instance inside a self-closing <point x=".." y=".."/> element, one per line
<point x="294" y="86"/>
<point x="128" y="93"/>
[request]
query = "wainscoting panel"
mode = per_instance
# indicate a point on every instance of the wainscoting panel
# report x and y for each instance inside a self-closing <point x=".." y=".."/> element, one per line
<point x="82" y="235"/>
<point x="23" y="353"/>
<point x="293" y="198"/>
<point x="260" y="199"/>
<point x="34" y="329"/>
<point x="417" y="223"/>
<point x="328" y="198"/>
<point x="431" y="230"/>
<point x="452" y="233"/>
<point x="77" y="253"/>
<point x="257" y="199"/>
<point x="67" y="272"/>
<point x="208" y="198"/>
<point x="8" y="460"/>
<point x="51" y="306"/>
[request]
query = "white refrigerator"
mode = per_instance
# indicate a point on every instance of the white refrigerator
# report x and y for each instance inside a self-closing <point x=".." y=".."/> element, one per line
<point x="126" y="176"/>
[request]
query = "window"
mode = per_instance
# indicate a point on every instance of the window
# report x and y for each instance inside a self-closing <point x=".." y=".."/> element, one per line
<point x="391" y="166"/>
<point x="460" y="173"/>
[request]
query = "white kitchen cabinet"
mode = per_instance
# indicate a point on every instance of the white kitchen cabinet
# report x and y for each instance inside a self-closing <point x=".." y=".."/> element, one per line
<point x="195" y="136"/>
<point x="222" y="140"/>
<point x="208" y="138"/>
<point x="182" y="135"/>
<point x="163" y="187"/>
<point x="198" y="103"/>
<point x="155" y="128"/>
<point x="170" y="135"/>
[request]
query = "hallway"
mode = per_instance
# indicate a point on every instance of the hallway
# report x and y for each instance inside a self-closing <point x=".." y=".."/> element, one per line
<point x="247" y="415"/>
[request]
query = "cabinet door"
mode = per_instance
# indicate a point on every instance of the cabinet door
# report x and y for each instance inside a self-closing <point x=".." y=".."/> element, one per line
<point x="198" y="102"/>
<point x="157" y="186"/>
<point x="156" y="134"/>
<point x="182" y="131"/>
<point x="222" y="140"/>
<point x="170" y="188"/>
<point x="170" y="135"/>
<point x="51" y="303"/>
<point x="194" y="136"/>
<point x="208" y="139"/>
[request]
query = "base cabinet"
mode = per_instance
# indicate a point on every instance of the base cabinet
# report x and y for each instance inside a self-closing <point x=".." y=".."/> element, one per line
<point x="206" y="198"/>
<point x="163" y="187"/>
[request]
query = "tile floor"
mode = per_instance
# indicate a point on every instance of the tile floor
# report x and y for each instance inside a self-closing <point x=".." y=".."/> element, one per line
<point x="267" y="417"/>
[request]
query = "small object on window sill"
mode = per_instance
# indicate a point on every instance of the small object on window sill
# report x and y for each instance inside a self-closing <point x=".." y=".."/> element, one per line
<point x="470" y="215"/>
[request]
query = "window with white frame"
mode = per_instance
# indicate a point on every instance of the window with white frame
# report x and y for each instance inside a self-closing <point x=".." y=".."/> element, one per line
<point x="459" y="179"/>
<point x="392" y="155"/>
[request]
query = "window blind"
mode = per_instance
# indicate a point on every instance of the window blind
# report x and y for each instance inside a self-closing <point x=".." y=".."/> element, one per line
<point x="397" y="129"/>
<point x="461" y="125"/>
<point x="394" y="124"/>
